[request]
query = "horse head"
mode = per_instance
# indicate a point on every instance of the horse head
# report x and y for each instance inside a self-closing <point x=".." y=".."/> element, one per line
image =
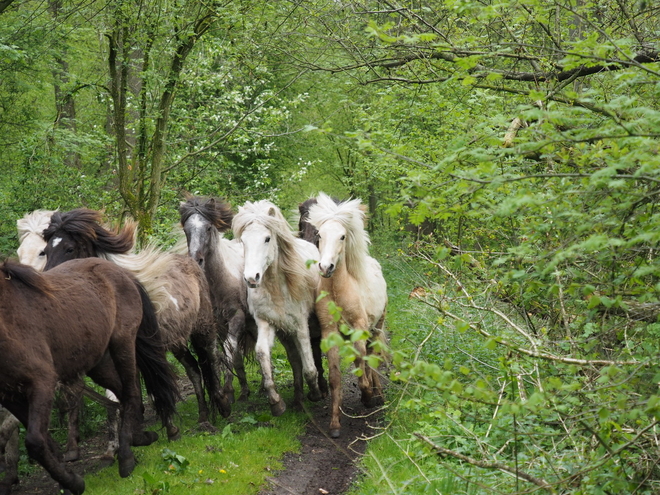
<point x="79" y="234"/>
<point x="30" y="234"/>
<point x="342" y="238"/>
<point x="257" y="226"/>
<point x="202" y="220"/>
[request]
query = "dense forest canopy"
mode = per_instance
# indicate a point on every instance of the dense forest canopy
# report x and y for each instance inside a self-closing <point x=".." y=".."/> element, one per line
<point x="514" y="142"/>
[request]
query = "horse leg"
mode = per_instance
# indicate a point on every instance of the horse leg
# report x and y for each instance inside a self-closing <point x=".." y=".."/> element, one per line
<point x="9" y="444"/>
<point x="73" y="403"/>
<point x="114" y="420"/>
<point x="38" y="442"/>
<point x="304" y="347"/>
<point x="209" y="362"/>
<point x="364" y="378"/>
<point x="334" y="371"/>
<point x="184" y="356"/>
<point x="235" y="356"/>
<point x="296" y="366"/>
<point x="315" y="340"/>
<point x="265" y="341"/>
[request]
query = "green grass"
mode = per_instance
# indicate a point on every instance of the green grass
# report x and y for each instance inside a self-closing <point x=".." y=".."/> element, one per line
<point x="395" y="461"/>
<point x="237" y="459"/>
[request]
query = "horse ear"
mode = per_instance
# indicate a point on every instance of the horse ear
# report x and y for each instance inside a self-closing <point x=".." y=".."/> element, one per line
<point x="271" y="211"/>
<point x="211" y="202"/>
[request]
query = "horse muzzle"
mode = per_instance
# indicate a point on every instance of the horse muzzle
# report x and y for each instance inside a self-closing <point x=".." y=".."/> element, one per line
<point x="326" y="272"/>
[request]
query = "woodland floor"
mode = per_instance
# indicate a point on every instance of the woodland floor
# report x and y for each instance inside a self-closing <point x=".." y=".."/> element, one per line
<point x="323" y="465"/>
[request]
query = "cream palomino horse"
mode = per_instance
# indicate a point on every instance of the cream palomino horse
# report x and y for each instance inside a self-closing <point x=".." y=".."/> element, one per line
<point x="354" y="281"/>
<point x="281" y="292"/>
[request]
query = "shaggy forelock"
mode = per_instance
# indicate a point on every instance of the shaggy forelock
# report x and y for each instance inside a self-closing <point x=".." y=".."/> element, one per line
<point x="351" y="215"/>
<point x="33" y="223"/>
<point x="213" y="210"/>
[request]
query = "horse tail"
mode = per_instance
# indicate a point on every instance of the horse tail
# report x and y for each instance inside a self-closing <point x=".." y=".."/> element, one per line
<point x="158" y="374"/>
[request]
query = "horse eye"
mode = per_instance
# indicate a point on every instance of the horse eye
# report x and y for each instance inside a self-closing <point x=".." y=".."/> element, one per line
<point x="208" y="229"/>
<point x="343" y="237"/>
<point x="42" y="253"/>
<point x="69" y="250"/>
<point x="268" y="239"/>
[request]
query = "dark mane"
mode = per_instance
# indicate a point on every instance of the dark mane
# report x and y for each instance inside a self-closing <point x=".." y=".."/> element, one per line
<point x="26" y="275"/>
<point x="215" y="211"/>
<point x="84" y="225"/>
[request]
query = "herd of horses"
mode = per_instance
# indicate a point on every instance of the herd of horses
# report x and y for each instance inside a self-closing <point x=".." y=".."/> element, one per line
<point x="80" y="301"/>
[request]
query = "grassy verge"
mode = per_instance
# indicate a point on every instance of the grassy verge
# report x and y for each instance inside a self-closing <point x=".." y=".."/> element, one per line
<point x="236" y="459"/>
<point x="395" y="461"/>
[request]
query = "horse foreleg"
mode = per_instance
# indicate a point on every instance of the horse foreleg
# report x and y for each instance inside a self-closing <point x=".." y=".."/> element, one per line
<point x="265" y="341"/>
<point x="304" y="346"/>
<point x="364" y="378"/>
<point x="40" y="445"/>
<point x="208" y="358"/>
<point x="9" y="447"/>
<point x="235" y="356"/>
<point x="296" y="366"/>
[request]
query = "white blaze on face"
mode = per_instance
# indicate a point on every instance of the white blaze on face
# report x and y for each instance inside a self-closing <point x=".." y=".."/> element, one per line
<point x="175" y="302"/>
<point x="56" y="241"/>
<point x="196" y="225"/>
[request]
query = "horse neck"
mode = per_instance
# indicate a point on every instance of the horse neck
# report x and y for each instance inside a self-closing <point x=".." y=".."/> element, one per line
<point x="217" y="261"/>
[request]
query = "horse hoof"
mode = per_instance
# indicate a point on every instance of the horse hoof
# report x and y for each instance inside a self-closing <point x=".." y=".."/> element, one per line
<point x="278" y="408"/>
<point x="173" y="434"/>
<point x="71" y="455"/>
<point x="225" y="408"/>
<point x="76" y="487"/>
<point x="206" y="426"/>
<point x="144" y="438"/>
<point x="334" y="432"/>
<point x="315" y="395"/>
<point x="126" y="466"/>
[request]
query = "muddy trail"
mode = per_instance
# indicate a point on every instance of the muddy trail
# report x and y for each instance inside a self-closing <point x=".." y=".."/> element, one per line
<point x="323" y="466"/>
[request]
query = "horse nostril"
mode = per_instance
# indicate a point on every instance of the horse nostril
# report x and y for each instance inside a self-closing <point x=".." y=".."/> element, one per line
<point x="257" y="277"/>
<point x="200" y="261"/>
<point x="331" y="268"/>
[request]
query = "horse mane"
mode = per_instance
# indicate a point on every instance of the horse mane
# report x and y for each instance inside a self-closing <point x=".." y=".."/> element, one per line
<point x="215" y="211"/>
<point x="33" y="223"/>
<point x="85" y="225"/>
<point x="148" y="266"/>
<point x="351" y="214"/>
<point x="14" y="271"/>
<point x="299" y="278"/>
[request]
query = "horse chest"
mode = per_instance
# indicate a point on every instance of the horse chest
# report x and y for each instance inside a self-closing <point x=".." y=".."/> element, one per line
<point x="275" y="310"/>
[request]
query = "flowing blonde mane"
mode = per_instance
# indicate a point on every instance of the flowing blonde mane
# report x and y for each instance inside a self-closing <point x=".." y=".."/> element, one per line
<point x="351" y="215"/>
<point x="299" y="279"/>
<point x="33" y="223"/>
<point x="148" y="266"/>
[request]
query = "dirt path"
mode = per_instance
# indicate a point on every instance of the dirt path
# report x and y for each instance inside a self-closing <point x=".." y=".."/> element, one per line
<point x="324" y="465"/>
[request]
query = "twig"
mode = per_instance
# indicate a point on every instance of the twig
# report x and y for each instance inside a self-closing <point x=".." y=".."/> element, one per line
<point x="487" y="464"/>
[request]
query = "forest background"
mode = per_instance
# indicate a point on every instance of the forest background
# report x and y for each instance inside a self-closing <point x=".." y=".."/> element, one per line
<point x="510" y="146"/>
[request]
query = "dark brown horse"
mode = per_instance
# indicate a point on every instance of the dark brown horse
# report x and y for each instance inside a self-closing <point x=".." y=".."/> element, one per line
<point x="176" y="285"/>
<point x="84" y="317"/>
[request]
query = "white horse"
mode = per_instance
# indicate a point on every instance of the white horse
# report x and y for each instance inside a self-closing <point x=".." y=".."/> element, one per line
<point x="30" y="236"/>
<point x="281" y="292"/>
<point x="354" y="281"/>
